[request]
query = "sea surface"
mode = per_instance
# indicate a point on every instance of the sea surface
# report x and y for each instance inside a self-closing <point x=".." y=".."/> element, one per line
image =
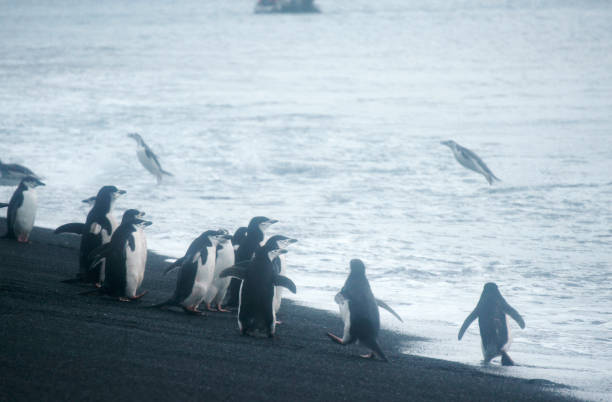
<point x="332" y="124"/>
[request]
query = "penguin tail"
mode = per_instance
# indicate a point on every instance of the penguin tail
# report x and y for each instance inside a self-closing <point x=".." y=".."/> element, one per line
<point x="166" y="172"/>
<point x="373" y="345"/>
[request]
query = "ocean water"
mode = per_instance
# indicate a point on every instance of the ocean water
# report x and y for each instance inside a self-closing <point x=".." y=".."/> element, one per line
<point x="332" y="124"/>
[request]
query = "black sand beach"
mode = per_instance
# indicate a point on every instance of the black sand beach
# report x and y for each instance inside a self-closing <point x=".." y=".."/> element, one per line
<point x="58" y="345"/>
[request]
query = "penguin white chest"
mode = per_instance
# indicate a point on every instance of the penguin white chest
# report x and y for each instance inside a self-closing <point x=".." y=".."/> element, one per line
<point x="25" y="214"/>
<point x="147" y="162"/>
<point x="135" y="263"/>
<point x="345" y="314"/>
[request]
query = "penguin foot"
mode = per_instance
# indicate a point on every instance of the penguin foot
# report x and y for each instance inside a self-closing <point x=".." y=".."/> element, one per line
<point x="335" y="338"/>
<point x="278" y="322"/>
<point x="222" y="310"/>
<point x="98" y="285"/>
<point x="193" y="310"/>
<point x="139" y="296"/>
<point x="368" y="355"/>
<point x="22" y="239"/>
<point x="210" y="308"/>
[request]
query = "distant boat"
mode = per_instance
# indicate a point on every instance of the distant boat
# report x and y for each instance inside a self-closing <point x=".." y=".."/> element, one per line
<point x="286" y="6"/>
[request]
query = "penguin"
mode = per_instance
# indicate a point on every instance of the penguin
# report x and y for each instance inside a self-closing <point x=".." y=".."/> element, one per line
<point x="359" y="311"/>
<point x="238" y="236"/>
<point x="218" y="286"/>
<point x="249" y="243"/>
<point x="125" y="256"/>
<point x="491" y="312"/>
<point x="148" y="159"/>
<point x="196" y="270"/>
<point x="256" y="301"/>
<point x="279" y="241"/>
<point x="470" y="160"/>
<point x="11" y="174"/>
<point x="22" y="209"/>
<point x="99" y="226"/>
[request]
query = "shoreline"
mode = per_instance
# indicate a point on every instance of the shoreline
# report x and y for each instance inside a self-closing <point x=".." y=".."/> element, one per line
<point x="58" y="345"/>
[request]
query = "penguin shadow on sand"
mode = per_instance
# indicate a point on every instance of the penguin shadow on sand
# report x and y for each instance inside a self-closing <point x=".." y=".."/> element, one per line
<point x="495" y="336"/>
<point x="359" y="312"/>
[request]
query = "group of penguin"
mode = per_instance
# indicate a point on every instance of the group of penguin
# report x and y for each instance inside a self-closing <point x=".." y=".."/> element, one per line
<point x="243" y="271"/>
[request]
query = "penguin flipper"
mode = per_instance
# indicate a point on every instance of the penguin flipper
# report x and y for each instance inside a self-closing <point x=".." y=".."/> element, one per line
<point x="76" y="228"/>
<point x="470" y="318"/>
<point x="98" y="254"/>
<point x="174" y="265"/>
<point x="285" y="282"/>
<point x="235" y="271"/>
<point x="389" y="309"/>
<point x="514" y="314"/>
<point x="2" y="205"/>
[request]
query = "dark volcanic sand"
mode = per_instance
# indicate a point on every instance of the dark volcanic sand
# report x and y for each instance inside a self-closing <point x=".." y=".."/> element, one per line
<point x="58" y="345"/>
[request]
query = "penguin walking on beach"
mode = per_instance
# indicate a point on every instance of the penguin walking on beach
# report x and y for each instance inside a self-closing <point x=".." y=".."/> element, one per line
<point x="470" y="160"/>
<point x="148" y="159"/>
<point x="97" y="230"/>
<point x="11" y="174"/>
<point x="256" y="301"/>
<point x="217" y="288"/>
<point x="359" y="312"/>
<point x="279" y="241"/>
<point x="495" y="335"/>
<point x="125" y="256"/>
<point x="251" y="240"/>
<point x="22" y="209"/>
<point x="196" y="271"/>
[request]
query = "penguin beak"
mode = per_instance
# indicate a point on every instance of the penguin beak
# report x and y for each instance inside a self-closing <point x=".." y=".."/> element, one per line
<point x="121" y="192"/>
<point x="286" y="242"/>
<point x="40" y="183"/>
<point x="141" y="222"/>
<point x="272" y="221"/>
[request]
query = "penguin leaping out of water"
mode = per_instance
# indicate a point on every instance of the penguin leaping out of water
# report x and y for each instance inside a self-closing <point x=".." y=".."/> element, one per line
<point x="125" y="256"/>
<point x="11" y="174"/>
<point x="256" y="302"/>
<point x="359" y="312"/>
<point x="22" y="209"/>
<point x="491" y="312"/>
<point x="148" y="159"/>
<point x="470" y="160"/>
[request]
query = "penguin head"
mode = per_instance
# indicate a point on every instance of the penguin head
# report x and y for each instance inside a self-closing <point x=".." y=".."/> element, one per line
<point x="136" y="137"/>
<point x="275" y="253"/>
<point x="31" y="182"/>
<point x="357" y="267"/>
<point x="107" y="196"/>
<point x="223" y="236"/>
<point x="239" y="235"/>
<point x="217" y="236"/>
<point x="260" y="223"/>
<point x="279" y="241"/>
<point x="490" y="291"/>
<point x="134" y="217"/>
<point x="449" y="143"/>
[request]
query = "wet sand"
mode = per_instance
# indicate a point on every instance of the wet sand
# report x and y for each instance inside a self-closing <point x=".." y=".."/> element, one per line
<point x="58" y="345"/>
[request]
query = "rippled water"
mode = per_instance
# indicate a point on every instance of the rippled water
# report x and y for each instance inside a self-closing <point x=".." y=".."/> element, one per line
<point x="331" y="123"/>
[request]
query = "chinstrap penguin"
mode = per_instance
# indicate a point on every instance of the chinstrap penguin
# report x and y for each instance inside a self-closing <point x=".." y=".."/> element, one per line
<point x="279" y="241"/>
<point x="148" y="159"/>
<point x="196" y="272"/>
<point x="491" y="312"/>
<point x="359" y="312"/>
<point x="22" y="209"/>
<point x="218" y="286"/>
<point x="125" y="256"/>
<point x="470" y="160"/>
<point x="256" y="301"/>
<point x="249" y="243"/>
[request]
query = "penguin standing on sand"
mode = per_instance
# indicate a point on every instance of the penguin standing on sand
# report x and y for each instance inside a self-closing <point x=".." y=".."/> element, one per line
<point x="250" y="242"/>
<point x="218" y="286"/>
<point x="256" y="304"/>
<point x="491" y="312"/>
<point x="359" y="311"/>
<point x="22" y="209"/>
<point x="279" y="241"/>
<point x="11" y="174"/>
<point x="148" y="159"/>
<point x="196" y="270"/>
<point x="470" y="160"/>
<point x="125" y="256"/>
<point x="97" y="230"/>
